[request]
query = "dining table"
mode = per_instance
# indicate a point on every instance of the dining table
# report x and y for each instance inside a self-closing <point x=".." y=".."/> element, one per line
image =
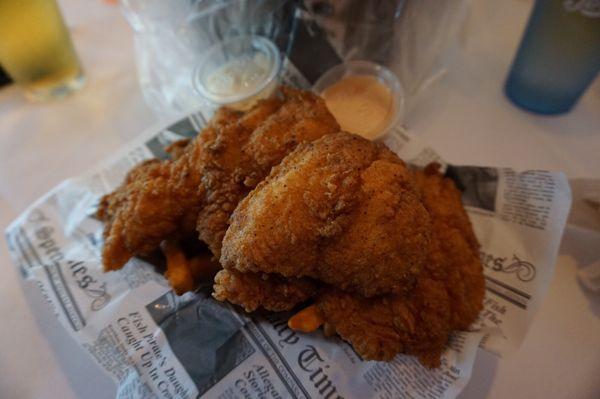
<point x="464" y="116"/>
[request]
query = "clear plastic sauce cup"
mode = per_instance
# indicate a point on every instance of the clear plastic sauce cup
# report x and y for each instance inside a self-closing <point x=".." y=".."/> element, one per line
<point x="366" y="98"/>
<point x="238" y="71"/>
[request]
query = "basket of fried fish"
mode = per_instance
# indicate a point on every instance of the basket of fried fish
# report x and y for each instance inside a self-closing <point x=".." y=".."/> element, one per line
<point x="280" y="210"/>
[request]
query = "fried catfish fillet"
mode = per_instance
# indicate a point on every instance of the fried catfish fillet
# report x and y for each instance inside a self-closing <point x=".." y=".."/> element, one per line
<point x="270" y="291"/>
<point x="195" y="193"/>
<point x="341" y="210"/>
<point x="240" y="158"/>
<point x="448" y="291"/>
<point x="448" y="296"/>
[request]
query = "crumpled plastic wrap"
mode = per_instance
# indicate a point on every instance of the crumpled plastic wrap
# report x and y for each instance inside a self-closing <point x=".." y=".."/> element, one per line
<point x="171" y="37"/>
<point x="408" y="36"/>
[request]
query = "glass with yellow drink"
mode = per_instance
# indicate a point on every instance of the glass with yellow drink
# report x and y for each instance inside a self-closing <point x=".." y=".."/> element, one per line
<point x="36" y="49"/>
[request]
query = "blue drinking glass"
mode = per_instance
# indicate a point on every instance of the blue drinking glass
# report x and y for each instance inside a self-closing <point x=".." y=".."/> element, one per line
<point x="559" y="56"/>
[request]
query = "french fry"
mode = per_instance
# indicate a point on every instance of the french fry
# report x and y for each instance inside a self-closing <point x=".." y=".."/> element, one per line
<point x="178" y="271"/>
<point x="307" y="320"/>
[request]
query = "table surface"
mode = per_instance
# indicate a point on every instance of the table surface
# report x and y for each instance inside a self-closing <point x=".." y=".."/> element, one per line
<point x="464" y="116"/>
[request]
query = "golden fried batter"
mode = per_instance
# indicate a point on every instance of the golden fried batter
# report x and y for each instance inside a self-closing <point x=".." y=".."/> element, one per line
<point x="455" y="253"/>
<point x="341" y="210"/>
<point x="196" y="192"/>
<point x="275" y="228"/>
<point x="448" y="296"/>
<point x="158" y="200"/>
<point x="297" y="211"/>
<point x="380" y="328"/>
<point x="269" y="291"/>
<point x="239" y="158"/>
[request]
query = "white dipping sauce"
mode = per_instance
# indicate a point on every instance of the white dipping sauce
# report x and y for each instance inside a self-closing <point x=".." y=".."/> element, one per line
<point x="239" y="76"/>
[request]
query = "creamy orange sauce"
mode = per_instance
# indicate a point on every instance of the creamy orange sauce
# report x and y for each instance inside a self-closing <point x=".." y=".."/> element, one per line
<point x="361" y="104"/>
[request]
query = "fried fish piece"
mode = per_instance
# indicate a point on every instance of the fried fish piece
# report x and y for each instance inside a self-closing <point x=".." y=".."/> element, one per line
<point x="448" y="296"/>
<point x="269" y="291"/>
<point x="195" y="193"/>
<point x="454" y="258"/>
<point x="276" y="225"/>
<point x="341" y="210"/>
<point x="158" y="200"/>
<point x="381" y="327"/>
<point x="238" y="159"/>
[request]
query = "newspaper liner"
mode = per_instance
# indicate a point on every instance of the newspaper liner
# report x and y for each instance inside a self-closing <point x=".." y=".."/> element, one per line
<point x="155" y="344"/>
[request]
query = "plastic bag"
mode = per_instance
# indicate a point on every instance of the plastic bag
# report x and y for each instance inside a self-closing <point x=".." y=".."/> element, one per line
<point x="410" y="37"/>
<point x="171" y="36"/>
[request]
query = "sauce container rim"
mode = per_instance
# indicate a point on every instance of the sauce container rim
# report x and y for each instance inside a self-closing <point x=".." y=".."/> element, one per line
<point x="367" y="68"/>
<point x="253" y="42"/>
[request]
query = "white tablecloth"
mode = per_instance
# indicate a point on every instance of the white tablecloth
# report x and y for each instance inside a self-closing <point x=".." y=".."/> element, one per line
<point x="465" y="117"/>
